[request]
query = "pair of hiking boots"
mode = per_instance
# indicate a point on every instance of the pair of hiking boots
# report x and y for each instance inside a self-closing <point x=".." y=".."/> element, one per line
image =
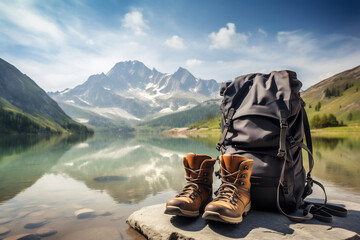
<point x="232" y="200"/>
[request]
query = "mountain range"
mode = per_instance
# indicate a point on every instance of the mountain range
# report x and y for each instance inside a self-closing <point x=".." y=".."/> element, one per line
<point x="25" y="107"/>
<point x="131" y="92"/>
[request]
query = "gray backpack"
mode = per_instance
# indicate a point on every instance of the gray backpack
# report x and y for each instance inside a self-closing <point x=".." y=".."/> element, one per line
<point x="263" y="118"/>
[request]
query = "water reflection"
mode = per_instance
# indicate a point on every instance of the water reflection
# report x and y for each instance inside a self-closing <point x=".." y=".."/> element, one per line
<point x="337" y="159"/>
<point x="25" y="158"/>
<point x="143" y="166"/>
<point x="52" y="177"/>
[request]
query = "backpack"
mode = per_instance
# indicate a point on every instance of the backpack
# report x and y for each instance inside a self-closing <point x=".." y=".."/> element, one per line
<point x="263" y="118"/>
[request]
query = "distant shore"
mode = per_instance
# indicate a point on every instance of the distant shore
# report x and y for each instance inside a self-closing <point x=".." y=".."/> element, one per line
<point x="210" y="132"/>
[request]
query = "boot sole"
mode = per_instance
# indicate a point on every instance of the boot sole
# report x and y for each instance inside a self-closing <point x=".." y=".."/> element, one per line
<point x="215" y="216"/>
<point x="172" y="210"/>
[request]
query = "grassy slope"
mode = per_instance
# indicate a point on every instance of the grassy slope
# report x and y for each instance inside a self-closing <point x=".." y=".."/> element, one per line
<point x="42" y="121"/>
<point x="348" y="101"/>
<point x="184" y="118"/>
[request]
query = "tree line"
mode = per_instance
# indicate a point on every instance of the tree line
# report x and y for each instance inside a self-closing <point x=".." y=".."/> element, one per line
<point x="325" y="120"/>
<point x="19" y="123"/>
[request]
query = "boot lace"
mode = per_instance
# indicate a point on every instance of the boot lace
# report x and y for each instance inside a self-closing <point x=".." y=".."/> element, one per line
<point x="228" y="189"/>
<point x="191" y="184"/>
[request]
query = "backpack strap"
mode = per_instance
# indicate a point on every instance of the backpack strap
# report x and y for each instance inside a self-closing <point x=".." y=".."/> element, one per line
<point x="283" y="130"/>
<point x="308" y="138"/>
<point x="228" y="120"/>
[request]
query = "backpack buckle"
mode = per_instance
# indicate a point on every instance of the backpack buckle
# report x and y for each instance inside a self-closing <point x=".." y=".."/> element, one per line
<point x="281" y="153"/>
<point x="284" y="124"/>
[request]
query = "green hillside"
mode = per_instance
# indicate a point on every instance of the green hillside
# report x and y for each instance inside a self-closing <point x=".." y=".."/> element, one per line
<point x="198" y="113"/>
<point x="338" y="95"/>
<point x="26" y="108"/>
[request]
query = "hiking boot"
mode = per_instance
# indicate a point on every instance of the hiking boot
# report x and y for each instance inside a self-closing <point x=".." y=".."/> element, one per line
<point x="198" y="190"/>
<point x="232" y="200"/>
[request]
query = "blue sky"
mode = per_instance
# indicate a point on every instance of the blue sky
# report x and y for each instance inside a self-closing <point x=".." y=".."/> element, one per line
<point x="59" y="44"/>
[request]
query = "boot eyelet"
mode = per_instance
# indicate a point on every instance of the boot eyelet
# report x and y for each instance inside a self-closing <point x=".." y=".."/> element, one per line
<point x="243" y="176"/>
<point x="205" y="173"/>
<point x="235" y="200"/>
<point x="199" y="190"/>
<point x="246" y="167"/>
<point x="205" y="180"/>
<point x="192" y="197"/>
<point x="242" y="183"/>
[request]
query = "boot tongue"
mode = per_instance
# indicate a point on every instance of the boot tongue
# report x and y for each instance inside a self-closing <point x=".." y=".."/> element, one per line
<point x="232" y="162"/>
<point x="194" y="161"/>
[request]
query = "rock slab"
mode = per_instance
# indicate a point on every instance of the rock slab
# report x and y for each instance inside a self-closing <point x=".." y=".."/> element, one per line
<point x="4" y="231"/>
<point x="5" y="220"/>
<point x="25" y="236"/>
<point x="153" y="224"/>
<point x="45" y="232"/>
<point x="84" y="213"/>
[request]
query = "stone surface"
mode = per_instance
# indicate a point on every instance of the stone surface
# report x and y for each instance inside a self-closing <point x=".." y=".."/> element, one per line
<point x="95" y="233"/>
<point x="84" y="213"/>
<point x="152" y="223"/>
<point x="45" y="232"/>
<point x="4" y="231"/>
<point x="35" y="223"/>
<point x="5" y="220"/>
<point x="25" y="236"/>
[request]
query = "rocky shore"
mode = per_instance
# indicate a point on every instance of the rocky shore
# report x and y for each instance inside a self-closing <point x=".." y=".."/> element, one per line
<point x="153" y="224"/>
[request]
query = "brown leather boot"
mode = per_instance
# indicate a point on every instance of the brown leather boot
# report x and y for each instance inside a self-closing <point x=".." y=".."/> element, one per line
<point x="198" y="190"/>
<point x="233" y="197"/>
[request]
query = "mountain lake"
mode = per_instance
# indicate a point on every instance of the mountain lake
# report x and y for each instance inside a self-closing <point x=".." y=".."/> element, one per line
<point x="71" y="188"/>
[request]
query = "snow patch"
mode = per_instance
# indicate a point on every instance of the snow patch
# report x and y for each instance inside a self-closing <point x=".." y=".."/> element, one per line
<point x="70" y="101"/>
<point x="65" y="91"/>
<point x="82" y="120"/>
<point x="82" y="145"/>
<point x="166" y="110"/>
<point x="83" y="100"/>
<point x="107" y="88"/>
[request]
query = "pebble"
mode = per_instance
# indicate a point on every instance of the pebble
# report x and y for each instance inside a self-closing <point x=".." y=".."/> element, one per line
<point x="51" y="215"/>
<point x="4" y="231"/>
<point x="36" y="214"/>
<point x="84" y="213"/>
<point x="45" y="232"/>
<point x="22" y="214"/>
<point x="35" y="223"/>
<point x="26" y="236"/>
<point x="104" y="213"/>
<point x="5" y="220"/>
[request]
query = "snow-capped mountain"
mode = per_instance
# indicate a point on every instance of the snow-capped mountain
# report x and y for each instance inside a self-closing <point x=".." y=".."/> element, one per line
<point x="132" y="91"/>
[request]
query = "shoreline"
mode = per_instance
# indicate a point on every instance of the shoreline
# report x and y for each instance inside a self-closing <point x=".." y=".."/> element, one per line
<point x="186" y="132"/>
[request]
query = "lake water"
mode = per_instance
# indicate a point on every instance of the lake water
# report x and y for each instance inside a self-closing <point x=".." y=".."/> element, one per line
<point x="44" y="180"/>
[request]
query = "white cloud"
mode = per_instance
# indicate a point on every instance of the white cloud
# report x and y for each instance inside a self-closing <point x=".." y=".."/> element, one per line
<point x="227" y="37"/>
<point x="262" y="31"/>
<point x="193" y="62"/>
<point x="298" y="42"/>
<point x="175" y="42"/>
<point x="38" y="29"/>
<point x="134" y="21"/>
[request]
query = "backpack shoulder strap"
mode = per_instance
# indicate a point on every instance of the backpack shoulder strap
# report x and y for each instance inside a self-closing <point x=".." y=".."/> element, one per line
<point x="228" y="119"/>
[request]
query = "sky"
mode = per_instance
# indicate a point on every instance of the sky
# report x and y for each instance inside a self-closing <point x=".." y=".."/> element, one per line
<point x="59" y="44"/>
